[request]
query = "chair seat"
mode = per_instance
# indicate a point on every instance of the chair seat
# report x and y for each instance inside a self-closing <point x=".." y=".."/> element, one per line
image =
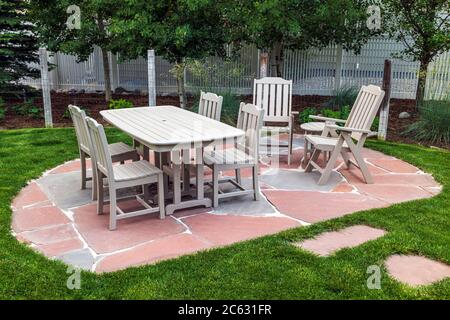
<point x="227" y="156"/>
<point x="119" y="148"/>
<point x="134" y="170"/>
<point x="324" y="143"/>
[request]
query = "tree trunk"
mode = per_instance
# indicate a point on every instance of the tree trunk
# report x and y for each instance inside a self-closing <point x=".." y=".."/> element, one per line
<point x="179" y="73"/>
<point x="105" y="60"/>
<point x="420" y="93"/>
<point x="276" y="60"/>
<point x="106" y="74"/>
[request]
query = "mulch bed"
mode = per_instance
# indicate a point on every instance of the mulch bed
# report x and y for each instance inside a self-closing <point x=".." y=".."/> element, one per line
<point x="95" y="102"/>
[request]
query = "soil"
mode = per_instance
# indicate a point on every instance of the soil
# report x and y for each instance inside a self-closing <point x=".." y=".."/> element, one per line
<point x="94" y="103"/>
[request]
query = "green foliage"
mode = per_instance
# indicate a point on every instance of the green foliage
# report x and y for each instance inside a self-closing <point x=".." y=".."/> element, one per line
<point x="120" y="104"/>
<point x="230" y="106"/>
<point x="2" y="109"/>
<point x="28" y="109"/>
<point x="343" y="113"/>
<point x="303" y="116"/>
<point x="345" y="96"/>
<point x="18" y="47"/>
<point x="434" y="123"/>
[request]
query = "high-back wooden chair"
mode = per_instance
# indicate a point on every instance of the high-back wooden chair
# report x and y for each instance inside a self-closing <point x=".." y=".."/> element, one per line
<point x="244" y="154"/>
<point x="210" y="105"/>
<point x="274" y="95"/>
<point x="130" y="174"/>
<point x="119" y="151"/>
<point x="357" y="127"/>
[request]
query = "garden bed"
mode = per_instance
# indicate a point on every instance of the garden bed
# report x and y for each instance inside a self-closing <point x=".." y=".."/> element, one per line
<point x="94" y="103"/>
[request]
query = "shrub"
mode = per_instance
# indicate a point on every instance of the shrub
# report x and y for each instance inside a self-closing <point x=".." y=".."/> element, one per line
<point x="303" y="116"/>
<point x="342" y="97"/>
<point x="230" y="106"/>
<point x="342" y="113"/>
<point x="120" y="104"/>
<point x="28" y="109"/>
<point x="433" y="124"/>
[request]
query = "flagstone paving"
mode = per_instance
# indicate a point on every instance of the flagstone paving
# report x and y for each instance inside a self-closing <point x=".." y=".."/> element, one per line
<point x="416" y="270"/>
<point x="330" y="242"/>
<point x="56" y="218"/>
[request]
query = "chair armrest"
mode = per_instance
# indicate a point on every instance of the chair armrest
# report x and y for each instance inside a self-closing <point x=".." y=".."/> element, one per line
<point x="347" y="129"/>
<point x="295" y="112"/>
<point x="327" y="119"/>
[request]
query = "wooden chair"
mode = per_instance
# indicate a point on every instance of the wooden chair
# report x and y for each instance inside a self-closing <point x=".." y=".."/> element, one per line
<point x="274" y="95"/>
<point x="356" y="127"/>
<point x="138" y="173"/>
<point x="243" y="155"/>
<point x="119" y="151"/>
<point x="210" y="105"/>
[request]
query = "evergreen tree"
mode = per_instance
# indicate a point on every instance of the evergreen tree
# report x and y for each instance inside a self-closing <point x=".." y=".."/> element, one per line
<point x="18" y="47"/>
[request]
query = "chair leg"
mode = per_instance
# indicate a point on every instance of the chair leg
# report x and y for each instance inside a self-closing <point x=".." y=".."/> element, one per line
<point x="83" y="170"/>
<point x="315" y="155"/>
<point x="291" y="137"/>
<point x="112" y="209"/>
<point x="363" y="167"/>
<point x="305" y="154"/>
<point x="161" y="203"/>
<point x="238" y="175"/>
<point x="255" y="183"/>
<point x="100" y="192"/>
<point x="329" y="166"/>
<point x="215" y="197"/>
<point x="94" y="183"/>
<point x="346" y="158"/>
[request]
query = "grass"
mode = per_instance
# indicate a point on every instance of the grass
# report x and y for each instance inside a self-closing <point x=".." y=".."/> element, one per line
<point x="265" y="268"/>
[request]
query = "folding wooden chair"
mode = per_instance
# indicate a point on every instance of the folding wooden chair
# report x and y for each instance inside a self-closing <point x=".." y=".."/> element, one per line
<point x="357" y="127"/>
<point x="210" y="105"/>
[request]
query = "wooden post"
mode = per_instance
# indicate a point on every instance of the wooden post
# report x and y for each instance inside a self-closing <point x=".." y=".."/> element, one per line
<point x="45" y="85"/>
<point x="114" y="71"/>
<point x="263" y="64"/>
<point x="384" y="109"/>
<point x="151" y="78"/>
<point x="337" y="77"/>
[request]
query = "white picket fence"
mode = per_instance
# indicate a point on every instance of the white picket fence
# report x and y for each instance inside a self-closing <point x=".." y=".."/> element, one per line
<point x="314" y="72"/>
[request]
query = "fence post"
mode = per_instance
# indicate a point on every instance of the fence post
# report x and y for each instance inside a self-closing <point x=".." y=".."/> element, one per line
<point x="53" y="59"/>
<point x="114" y="72"/>
<point x="337" y="78"/>
<point x="45" y="85"/>
<point x="263" y="62"/>
<point x="151" y="78"/>
<point x="384" y="110"/>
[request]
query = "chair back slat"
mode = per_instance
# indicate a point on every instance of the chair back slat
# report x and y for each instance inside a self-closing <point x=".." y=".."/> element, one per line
<point x="250" y="120"/>
<point x="101" y="154"/>
<point x="79" y="121"/>
<point x="274" y="96"/>
<point x="210" y="105"/>
<point x="365" y="109"/>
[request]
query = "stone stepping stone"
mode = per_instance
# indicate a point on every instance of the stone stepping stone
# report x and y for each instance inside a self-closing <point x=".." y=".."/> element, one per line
<point x="329" y="242"/>
<point x="416" y="270"/>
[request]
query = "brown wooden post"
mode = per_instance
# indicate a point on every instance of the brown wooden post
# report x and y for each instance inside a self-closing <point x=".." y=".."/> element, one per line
<point x="263" y="64"/>
<point x="384" y="109"/>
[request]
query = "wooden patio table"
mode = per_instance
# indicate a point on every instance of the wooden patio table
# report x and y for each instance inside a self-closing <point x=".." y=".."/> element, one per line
<point x="172" y="133"/>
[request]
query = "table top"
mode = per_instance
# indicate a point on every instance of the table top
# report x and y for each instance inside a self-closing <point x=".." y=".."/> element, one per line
<point x="168" y="126"/>
<point x="313" y="126"/>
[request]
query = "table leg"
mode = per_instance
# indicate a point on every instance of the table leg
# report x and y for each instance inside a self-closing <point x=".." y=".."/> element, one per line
<point x="201" y="200"/>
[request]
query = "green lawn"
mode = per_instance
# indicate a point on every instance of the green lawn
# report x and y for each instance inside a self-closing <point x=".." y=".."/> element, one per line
<point x="265" y="268"/>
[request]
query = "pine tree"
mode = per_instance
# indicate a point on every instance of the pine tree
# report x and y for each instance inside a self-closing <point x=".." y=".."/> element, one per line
<point x="18" y="47"/>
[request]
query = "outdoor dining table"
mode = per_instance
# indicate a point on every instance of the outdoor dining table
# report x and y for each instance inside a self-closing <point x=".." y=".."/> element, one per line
<point x="172" y="133"/>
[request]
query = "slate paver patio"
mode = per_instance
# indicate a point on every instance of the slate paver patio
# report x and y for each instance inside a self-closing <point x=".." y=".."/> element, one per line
<point x="59" y="220"/>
